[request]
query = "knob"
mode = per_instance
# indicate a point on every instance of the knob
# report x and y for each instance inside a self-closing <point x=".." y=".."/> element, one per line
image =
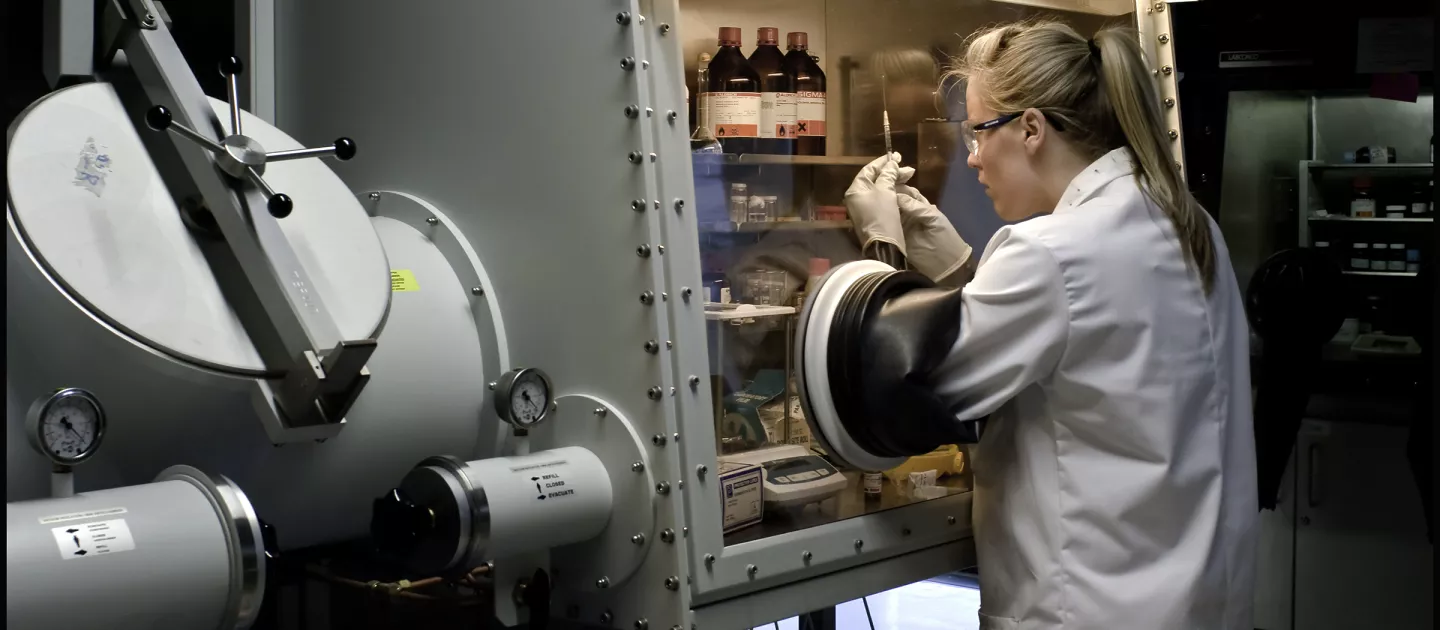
<point x="280" y="205"/>
<point x="397" y="524"/>
<point x="159" y="118"/>
<point x="344" y="149"/>
<point x="231" y="66"/>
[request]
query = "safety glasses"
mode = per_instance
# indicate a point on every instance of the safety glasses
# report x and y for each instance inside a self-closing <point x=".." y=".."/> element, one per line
<point x="969" y="132"/>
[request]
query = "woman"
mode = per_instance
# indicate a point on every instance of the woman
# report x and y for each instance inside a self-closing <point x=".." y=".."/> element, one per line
<point x="1105" y="338"/>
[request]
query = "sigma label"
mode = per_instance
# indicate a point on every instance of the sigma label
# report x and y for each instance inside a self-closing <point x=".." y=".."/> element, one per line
<point x="777" y="114"/>
<point x="735" y="114"/>
<point x="810" y="113"/>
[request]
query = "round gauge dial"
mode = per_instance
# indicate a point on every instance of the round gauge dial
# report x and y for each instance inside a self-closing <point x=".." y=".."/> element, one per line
<point x="67" y="426"/>
<point x="523" y="397"/>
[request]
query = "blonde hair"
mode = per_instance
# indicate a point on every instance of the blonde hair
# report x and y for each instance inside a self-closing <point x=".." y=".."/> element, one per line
<point x="1102" y="99"/>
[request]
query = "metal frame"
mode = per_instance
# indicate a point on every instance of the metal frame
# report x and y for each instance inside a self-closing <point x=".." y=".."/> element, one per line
<point x="1157" y="40"/>
<point x="255" y="44"/>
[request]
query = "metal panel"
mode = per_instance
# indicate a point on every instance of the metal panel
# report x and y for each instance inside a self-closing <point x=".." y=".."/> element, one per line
<point x="1265" y="137"/>
<point x="1157" y="40"/>
<point x="69" y="51"/>
<point x="255" y="45"/>
<point x="1346" y="123"/>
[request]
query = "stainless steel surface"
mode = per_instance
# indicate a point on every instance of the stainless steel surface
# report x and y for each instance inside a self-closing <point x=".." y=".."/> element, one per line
<point x="68" y="40"/>
<point x="1266" y="136"/>
<point x="242" y="535"/>
<point x="1346" y="123"/>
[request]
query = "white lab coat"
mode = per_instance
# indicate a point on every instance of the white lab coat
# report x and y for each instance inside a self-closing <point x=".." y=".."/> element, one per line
<point x="1115" y="480"/>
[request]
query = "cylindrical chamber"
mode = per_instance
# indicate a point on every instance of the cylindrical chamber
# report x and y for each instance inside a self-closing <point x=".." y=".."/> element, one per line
<point x="181" y="552"/>
<point x="449" y="514"/>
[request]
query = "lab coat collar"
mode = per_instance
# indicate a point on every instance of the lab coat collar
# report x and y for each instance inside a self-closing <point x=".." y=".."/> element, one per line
<point x="1110" y="167"/>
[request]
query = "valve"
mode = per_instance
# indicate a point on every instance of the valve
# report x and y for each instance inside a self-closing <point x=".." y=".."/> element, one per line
<point x="239" y="155"/>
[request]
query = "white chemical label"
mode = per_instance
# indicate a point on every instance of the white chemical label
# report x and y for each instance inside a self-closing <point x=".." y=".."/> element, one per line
<point x="79" y="516"/>
<point x="874" y="482"/>
<point x="1395" y="265"/>
<point x="1359" y="263"/>
<point x="740" y="496"/>
<point x="1418" y="207"/>
<point x="1364" y="208"/>
<point x="734" y="114"/>
<point x="777" y="115"/>
<point x="810" y="113"/>
<point x="1377" y="264"/>
<point x="87" y="540"/>
<point x="93" y="168"/>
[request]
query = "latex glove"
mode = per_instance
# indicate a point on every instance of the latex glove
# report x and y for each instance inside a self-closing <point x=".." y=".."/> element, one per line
<point x="934" y="247"/>
<point x="872" y="203"/>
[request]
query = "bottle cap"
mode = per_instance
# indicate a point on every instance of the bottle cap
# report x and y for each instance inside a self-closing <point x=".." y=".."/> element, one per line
<point x="705" y="57"/>
<point x="729" y="36"/>
<point x="767" y="36"/>
<point x="797" y="41"/>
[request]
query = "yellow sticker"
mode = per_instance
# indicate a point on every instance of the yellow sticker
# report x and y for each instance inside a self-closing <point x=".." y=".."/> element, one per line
<point x="403" y="280"/>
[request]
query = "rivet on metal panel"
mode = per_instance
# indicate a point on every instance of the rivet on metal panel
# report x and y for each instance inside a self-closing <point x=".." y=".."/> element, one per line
<point x="638" y="205"/>
<point x="638" y="539"/>
<point x="642" y="19"/>
<point x="859" y="544"/>
<point x="635" y="157"/>
<point x="606" y="617"/>
<point x="751" y="570"/>
<point x="694" y="381"/>
<point x="632" y="111"/>
<point x="661" y="249"/>
<point x="647" y="297"/>
<point x="657" y="204"/>
<point x="652" y="347"/>
<point x="477" y="291"/>
<point x="949" y="520"/>
<point x="664" y="29"/>
<point x="642" y="624"/>
<point x="805" y="556"/>
<point x="667" y="535"/>
<point x="643" y="251"/>
<point x="662" y="487"/>
<point x="673" y="582"/>
<point x="644" y="64"/>
<point x="672" y="393"/>
<point x="701" y="470"/>
<point x="649" y="112"/>
<point x="1174" y="135"/>
<point x="375" y="196"/>
<point x="603" y="582"/>
<point x="628" y="63"/>
<point x="638" y="467"/>
<point x="1159" y="7"/>
<point x="654" y="393"/>
<point x="432" y="221"/>
<point x="1169" y="102"/>
<point x="709" y="561"/>
<point x="492" y="385"/>
<point x="685" y="533"/>
<point x="664" y="297"/>
<point x="1164" y="39"/>
<point x="679" y="205"/>
<point x="1166" y="70"/>
<point x="669" y="344"/>
<point x="148" y="21"/>
<point x="670" y="116"/>
<point x="622" y="18"/>
<point x="658" y="439"/>
<point x="652" y="157"/>
<point x="677" y="435"/>
<point x="601" y="412"/>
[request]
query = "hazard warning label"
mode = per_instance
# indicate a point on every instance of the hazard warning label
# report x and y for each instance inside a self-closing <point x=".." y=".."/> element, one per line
<point x="87" y="540"/>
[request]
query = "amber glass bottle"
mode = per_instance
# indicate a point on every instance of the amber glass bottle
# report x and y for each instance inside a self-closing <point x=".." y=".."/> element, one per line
<point x="809" y="95"/>
<point x="734" y="96"/>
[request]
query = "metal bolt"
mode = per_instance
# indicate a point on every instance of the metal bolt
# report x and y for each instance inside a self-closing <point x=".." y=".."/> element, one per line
<point x="658" y="439"/>
<point x="679" y="204"/>
<point x="432" y="220"/>
<point x="667" y="535"/>
<point x="635" y="157"/>
<point x="751" y="570"/>
<point x="661" y="249"/>
<point x="628" y="63"/>
<point x="606" y="617"/>
<point x="638" y="467"/>
<point x="709" y="560"/>
<point x="638" y="539"/>
<point x="1174" y="135"/>
<point x="682" y="484"/>
<point x="603" y="582"/>
<point x="859" y="544"/>
<point x="652" y="347"/>
<point x="647" y="297"/>
<point x="949" y="520"/>
<point x="644" y="65"/>
<point x="643" y="251"/>
<point x="664" y="29"/>
<point x="1159" y="7"/>
<point x="673" y="583"/>
<point x="662" y="488"/>
<point x="149" y="20"/>
<point x="677" y="435"/>
<point x="685" y="533"/>
<point x="670" y="116"/>
<point x="1164" y="39"/>
<point x="492" y="385"/>
<point x="701" y="470"/>
<point x="477" y="291"/>
<point x="622" y="18"/>
<point x="669" y="344"/>
<point x="664" y="297"/>
<point x="1166" y="70"/>
<point x="652" y="157"/>
<point x="601" y="411"/>
<point x="642" y="19"/>
<point x="649" y="112"/>
<point x="374" y="196"/>
<point x="632" y="111"/>
<point x="654" y="393"/>
<point x="657" y="204"/>
<point x="806" y="556"/>
<point x="638" y="205"/>
<point x="642" y="624"/>
<point x="694" y="381"/>
<point x="1169" y="102"/>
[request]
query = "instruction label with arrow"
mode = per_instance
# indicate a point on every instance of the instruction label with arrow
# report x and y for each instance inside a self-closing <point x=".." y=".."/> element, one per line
<point x="87" y="540"/>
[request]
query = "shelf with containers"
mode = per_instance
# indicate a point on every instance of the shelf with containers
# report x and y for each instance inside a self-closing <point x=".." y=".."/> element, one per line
<point x="770" y="184"/>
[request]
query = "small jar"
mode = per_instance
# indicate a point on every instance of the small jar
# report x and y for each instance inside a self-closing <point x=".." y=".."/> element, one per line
<point x="739" y="197"/>
<point x="1412" y="260"/>
<point x="874" y="482"/>
<point x="1379" y="253"/>
<point x="757" y="212"/>
<point x="1395" y="211"/>
<point x="1360" y="256"/>
<point x="1396" y="260"/>
<point x="1362" y="200"/>
<point x="772" y="207"/>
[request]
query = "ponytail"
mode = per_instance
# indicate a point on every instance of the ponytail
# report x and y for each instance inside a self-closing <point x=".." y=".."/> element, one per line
<point x="1105" y="101"/>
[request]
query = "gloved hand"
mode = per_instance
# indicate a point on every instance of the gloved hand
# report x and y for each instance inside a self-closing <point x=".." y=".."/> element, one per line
<point x="872" y="203"/>
<point x="933" y="246"/>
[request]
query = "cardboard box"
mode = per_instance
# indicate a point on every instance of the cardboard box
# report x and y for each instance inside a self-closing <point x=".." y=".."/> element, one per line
<point x="741" y="496"/>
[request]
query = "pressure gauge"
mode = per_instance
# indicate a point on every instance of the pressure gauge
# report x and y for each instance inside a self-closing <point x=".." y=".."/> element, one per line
<point x="66" y="426"/>
<point x="522" y="397"/>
